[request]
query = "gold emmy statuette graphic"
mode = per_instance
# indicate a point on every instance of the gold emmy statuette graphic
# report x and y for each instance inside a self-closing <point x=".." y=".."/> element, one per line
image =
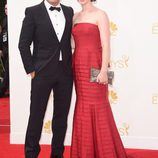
<point x="155" y="28"/>
<point x="113" y="29"/>
<point x="155" y="99"/>
<point x="47" y="127"/>
<point x="124" y="130"/>
<point x="113" y="97"/>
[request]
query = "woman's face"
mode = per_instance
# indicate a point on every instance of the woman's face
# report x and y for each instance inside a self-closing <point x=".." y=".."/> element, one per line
<point x="82" y="2"/>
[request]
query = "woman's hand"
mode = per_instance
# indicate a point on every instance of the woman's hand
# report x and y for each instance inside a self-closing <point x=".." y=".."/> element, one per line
<point x="102" y="78"/>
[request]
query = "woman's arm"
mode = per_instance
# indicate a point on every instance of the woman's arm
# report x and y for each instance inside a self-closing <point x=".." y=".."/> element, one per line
<point x="72" y="39"/>
<point x="103" y="24"/>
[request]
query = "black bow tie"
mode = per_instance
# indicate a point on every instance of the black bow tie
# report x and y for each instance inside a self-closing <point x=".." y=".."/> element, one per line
<point x="55" y="8"/>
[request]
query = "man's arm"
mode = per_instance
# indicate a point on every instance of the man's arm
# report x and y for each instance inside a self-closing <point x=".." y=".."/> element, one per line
<point x="26" y="38"/>
<point x="1" y="40"/>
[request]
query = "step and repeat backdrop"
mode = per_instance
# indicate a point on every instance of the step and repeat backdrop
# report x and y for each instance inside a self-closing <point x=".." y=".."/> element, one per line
<point x="134" y="59"/>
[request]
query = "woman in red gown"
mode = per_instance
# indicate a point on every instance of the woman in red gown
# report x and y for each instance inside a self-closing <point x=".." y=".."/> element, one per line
<point x="94" y="130"/>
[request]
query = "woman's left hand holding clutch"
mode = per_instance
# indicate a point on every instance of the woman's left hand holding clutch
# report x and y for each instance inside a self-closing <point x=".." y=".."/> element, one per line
<point x="102" y="78"/>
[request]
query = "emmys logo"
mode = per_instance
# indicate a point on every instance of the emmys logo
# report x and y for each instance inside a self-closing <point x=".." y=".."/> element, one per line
<point x="121" y="63"/>
<point x="155" y="28"/>
<point x="113" y="98"/>
<point x="47" y="127"/>
<point x="155" y="99"/>
<point x="113" y="29"/>
<point x="124" y="130"/>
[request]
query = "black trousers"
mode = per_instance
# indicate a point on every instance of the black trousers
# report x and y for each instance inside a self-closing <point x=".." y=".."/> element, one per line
<point x="41" y="87"/>
<point x="5" y="83"/>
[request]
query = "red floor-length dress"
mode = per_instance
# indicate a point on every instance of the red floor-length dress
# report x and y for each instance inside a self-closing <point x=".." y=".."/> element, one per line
<point x="94" y="131"/>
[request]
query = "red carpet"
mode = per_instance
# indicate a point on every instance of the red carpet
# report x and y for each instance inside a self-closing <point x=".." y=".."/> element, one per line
<point x="16" y="151"/>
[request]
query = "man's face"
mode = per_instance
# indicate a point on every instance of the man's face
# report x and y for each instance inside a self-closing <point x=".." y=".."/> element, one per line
<point x="54" y="2"/>
<point x="6" y="9"/>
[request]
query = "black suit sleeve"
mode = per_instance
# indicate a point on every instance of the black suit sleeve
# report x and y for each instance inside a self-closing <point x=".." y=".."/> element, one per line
<point x="26" y="38"/>
<point x="72" y="11"/>
<point x="1" y="41"/>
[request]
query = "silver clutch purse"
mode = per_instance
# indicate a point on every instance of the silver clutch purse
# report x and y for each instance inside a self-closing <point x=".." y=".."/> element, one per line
<point x="94" y="73"/>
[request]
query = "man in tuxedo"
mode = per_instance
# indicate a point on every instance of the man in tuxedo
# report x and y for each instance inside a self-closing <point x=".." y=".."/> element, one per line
<point x="4" y="54"/>
<point x="48" y="26"/>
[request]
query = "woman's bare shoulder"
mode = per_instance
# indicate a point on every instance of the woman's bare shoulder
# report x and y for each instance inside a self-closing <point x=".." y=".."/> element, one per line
<point x="101" y="13"/>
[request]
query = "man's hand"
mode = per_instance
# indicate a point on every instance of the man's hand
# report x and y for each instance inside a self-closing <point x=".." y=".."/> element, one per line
<point x="32" y="74"/>
<point x="1" y="53"/>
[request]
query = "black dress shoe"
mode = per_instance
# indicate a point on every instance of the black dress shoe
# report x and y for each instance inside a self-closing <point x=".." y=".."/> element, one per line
<point x="56" y="156"/>
<point x="2" y="94"/>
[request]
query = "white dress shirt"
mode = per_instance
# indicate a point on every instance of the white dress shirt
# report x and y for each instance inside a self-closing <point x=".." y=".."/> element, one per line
<point x="58" y="21"/>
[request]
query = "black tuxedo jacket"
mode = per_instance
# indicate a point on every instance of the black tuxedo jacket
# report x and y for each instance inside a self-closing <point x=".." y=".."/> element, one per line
<point x="38" y="29"/>
<point x="4" y="34"/>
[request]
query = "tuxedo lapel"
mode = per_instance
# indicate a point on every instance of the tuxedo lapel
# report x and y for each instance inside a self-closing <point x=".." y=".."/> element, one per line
<point x="67" y="20"/>
<point x="48" y="20"/>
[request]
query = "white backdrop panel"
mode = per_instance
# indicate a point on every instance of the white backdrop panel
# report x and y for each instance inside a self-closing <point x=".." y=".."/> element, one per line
<point x="134" y="95"/>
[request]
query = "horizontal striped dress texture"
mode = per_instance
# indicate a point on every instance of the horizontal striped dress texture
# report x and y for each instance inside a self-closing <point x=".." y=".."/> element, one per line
<point x="94" y="130"/>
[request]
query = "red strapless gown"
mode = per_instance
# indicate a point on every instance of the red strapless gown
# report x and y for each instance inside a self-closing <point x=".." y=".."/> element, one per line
<point x="94" y="130"/>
